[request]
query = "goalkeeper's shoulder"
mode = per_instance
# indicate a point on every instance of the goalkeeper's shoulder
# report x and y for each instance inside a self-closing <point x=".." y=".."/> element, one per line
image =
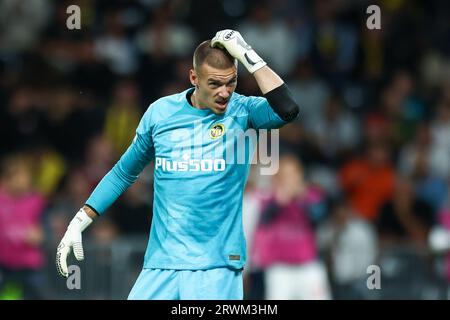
<point x="243" y="103"/>
<point x="164" y="107"/>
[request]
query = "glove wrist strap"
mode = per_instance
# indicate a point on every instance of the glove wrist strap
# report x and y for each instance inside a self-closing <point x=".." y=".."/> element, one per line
<point x="252" y="61"/>
<point x="81" y="220"/>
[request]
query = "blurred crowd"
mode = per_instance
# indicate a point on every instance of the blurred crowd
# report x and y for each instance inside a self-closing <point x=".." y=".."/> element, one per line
<point x="366" y="166"/>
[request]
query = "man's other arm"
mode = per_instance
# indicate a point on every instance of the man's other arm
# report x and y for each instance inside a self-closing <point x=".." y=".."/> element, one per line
<point x="114" y="183"/>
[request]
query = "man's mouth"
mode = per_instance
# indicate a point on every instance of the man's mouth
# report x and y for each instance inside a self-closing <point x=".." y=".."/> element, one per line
<point x="222" y="104"/>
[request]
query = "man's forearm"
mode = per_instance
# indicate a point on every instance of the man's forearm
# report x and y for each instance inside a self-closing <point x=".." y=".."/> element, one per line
<point x="277" y="93"/>
<point x="267" y="79"/>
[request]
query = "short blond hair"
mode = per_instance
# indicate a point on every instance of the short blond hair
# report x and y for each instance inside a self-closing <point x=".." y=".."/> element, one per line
<point x="214" y="57"/>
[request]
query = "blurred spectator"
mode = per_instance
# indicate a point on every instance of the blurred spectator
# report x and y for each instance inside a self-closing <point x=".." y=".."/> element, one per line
<point x="115" y="47"/>
<point x="91" y="74"/>
<point x="368" y="181"/>
<point x="372" y="46"/>
<point x="337" y="133"/>
<point x="404" y="225"/>
<point x="401" y="108"/>
<point x="24" y="122"/>
<point x="98" y="160"/>
<point x="416" y="153"/>
<point x="375" y="129"/>
<point x="21" y="23"/>
<point x="87" y="110"/>
<point x="133" y="213"/>
<point x="50" y="169"/>
<point x="161" y="43"/>
<point x="416" y="162"/>
<point x="268" y="36"/>
<point x="179" y="81"/>
<point x="440" y="132"/>
<point x="404" y="219"/>
<point x="351" y="245"/>
<point x="310" y="91"/>
<point x="21" y="233"/>
<point x="334" y="43"/>
<point x="439" y="240"/>
<point x="60" y="103"/>
<point x="284" y="244"/>
<point x="166" y="36"/>
<point x="73" y="192"/>
<point x="123" y="115"/>
<point x="102" y="235"/>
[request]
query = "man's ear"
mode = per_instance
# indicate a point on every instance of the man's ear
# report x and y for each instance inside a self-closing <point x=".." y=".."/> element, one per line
<point x="193" y="77"/>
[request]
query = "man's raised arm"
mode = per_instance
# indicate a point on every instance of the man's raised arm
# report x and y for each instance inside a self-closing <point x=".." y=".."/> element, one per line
<point x="270" y="84"/>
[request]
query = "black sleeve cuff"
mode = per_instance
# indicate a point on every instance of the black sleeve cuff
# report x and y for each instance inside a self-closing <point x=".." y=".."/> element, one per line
<point x="282" y="102"/>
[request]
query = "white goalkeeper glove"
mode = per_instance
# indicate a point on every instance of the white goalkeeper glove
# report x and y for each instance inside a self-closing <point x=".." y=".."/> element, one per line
<point x="233" y="42"/>
<point x="72" y="239"/>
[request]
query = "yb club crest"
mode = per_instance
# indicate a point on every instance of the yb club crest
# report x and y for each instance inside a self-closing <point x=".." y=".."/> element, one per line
<point x="217" y="130"/>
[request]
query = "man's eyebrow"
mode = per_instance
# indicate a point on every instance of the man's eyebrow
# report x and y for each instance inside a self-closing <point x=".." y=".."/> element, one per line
<point x="218" y="81"/>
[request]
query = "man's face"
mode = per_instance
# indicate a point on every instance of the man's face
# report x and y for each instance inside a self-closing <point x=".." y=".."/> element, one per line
<point x="214" y="87"/>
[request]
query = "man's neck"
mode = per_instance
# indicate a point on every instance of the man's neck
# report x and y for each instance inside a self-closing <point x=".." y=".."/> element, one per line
<point x="194" y="101"/>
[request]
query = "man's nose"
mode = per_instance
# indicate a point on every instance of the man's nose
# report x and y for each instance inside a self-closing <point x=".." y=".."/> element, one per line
<point x="224" y="92"/>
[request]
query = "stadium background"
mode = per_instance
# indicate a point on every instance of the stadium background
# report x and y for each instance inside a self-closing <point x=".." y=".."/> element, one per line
<point x="375" y="113"/>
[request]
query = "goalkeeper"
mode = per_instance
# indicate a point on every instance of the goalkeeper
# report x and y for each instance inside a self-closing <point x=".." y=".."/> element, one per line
<point x="196" y="248"/>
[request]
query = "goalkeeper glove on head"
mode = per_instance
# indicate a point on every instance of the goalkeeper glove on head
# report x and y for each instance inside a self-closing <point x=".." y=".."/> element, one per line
<point x="233" y="42"/>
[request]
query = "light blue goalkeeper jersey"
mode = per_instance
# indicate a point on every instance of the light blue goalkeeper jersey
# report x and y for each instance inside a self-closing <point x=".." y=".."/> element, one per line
<point x="200" y="172"/>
